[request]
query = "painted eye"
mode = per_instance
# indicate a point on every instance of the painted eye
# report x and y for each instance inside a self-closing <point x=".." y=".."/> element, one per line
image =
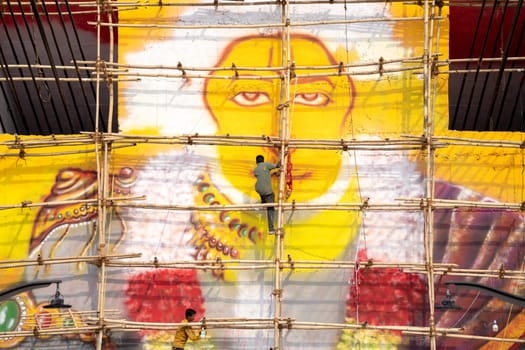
<point x="251" y="98"/>
<point x="312" y="99"/>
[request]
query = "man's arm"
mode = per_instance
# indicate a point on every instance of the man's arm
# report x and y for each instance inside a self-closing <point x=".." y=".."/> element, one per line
<point x="192" y="334"/>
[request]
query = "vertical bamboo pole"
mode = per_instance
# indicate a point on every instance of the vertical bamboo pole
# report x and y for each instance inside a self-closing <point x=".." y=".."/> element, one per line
<point x="428" y="131"/>
<point x="102" y="175"/>
<point x="284" y="104"/>
<point x="100" y="218"/>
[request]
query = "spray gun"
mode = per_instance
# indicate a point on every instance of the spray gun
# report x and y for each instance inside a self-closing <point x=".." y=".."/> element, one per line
<point x="202" y="333"/>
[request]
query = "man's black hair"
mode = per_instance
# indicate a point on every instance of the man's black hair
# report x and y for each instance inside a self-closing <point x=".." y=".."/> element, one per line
<point x="259" y="159"/>
<point x="190" y="312"/>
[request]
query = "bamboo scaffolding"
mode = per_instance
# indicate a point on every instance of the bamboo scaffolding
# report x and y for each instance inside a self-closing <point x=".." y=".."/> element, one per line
<point x="101" y="320"/>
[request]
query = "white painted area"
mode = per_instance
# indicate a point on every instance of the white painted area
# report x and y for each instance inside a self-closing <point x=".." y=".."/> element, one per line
<point x="174" y="106"/>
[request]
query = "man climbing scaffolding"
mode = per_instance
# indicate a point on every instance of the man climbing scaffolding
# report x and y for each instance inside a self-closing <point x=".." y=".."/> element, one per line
<point x="263" y="186"/>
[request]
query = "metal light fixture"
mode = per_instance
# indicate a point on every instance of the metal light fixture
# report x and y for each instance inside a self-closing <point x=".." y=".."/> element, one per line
<point x="448" y="303"/>
<point x="25" y="286"/>
<point x="57" y="301"/>
<point x="500" y="294"/>
<point x="495" y="326"/>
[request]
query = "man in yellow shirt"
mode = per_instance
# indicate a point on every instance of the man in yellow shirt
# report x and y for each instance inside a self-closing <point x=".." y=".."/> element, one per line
<point x="185" y="332"/>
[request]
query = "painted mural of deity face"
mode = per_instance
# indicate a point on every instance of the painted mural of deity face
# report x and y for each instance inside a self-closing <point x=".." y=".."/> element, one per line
<point x="318" y="109"/>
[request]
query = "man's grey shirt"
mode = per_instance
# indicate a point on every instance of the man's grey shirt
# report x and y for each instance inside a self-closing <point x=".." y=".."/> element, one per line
<point x="263" y="184"/>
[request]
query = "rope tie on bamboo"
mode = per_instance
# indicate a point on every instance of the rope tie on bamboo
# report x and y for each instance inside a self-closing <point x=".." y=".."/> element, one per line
<point x="281" y="106"/>
<point x="365" y="203"/>
<point x="289" y="323"/>
<point x="179" y="67"/>
<point x="219" y="262"/>
<point x="434" y="68"/>
<point x="341" y="67"/>
<point x="381" y="68"/>
<point x="501" y="273"/>
<point x="292" y="71"/>
<point x="344" y="145"/>
<point x="290" y="261"/>
<point x="234" y="67"/>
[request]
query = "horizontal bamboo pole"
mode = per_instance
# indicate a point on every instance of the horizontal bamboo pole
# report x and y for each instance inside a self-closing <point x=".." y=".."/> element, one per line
<point x="245" y="140"/>
<point x="482" y="60"/>
<point x="23" y="153"/>
<point x="107" y="200"/>
<point x="286" y="323"/>
<point x="478" y="337"/>
<point x="271" y="141"/>
<point x="438" y="268"/>
<point x="455" y="204"/>
<point x="455" y="141"/>
<point x="8" y="264"/>
<point x="469" y="3"/>
<point x="257" y="26"/>
<point x="196" y="139"/>
<point x="221" y="3"/>
<point x="261" y="265"/>
<point x="488" y="274"/>
<point x="70" y="80"/>
<point x="45" y="66"/>
<point x="52" y="331"/>
<point x="228" y="265"/>
<point x="53" y="140"/>
<point x="132" y="76"/>
<point x="379" y="62"/>
<point x="483" y="70"/>
<point x="404" y="204"/>
<point x="272" y="3"/>
<point x="469" y="336"/>
<point x="234" y="76"/>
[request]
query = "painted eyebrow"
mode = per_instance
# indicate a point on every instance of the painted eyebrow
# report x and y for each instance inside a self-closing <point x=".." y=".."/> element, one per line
<point x="315" y="80"/>
<point x="266" y="80"/>
<point x="301" y="80"/>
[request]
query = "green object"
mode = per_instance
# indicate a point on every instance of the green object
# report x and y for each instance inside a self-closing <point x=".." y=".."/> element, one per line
<point x="9" y="315"/>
